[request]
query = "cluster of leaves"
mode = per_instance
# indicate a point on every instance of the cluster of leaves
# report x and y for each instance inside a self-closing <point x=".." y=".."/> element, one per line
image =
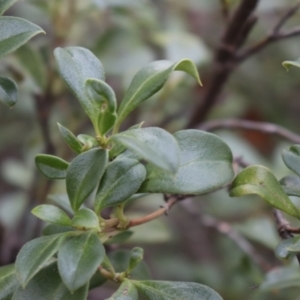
<point x="112" y="168"/>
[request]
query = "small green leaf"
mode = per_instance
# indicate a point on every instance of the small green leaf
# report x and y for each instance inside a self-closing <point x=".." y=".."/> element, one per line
<point x="136" y="257"/>
<point x="51" y="214"/>
<point x="47" y="285"/>
<point x="34" y="254"/>
<point x="8" y="91"/>
<point x="291" y="158"/>
<point x="155" y="145"/>
<point x="104" y="100"/>
<point x="205" y="165"/>
<point x="88" y="141"/>
<point x="126" y="291"/>
<point x="51" y="166"/>
<point x="122" y="179"/>
<point x="291" y="185"/>
<point x="149" y="80"/>
<point x="120" y="237"/>
<point x="84" y="219"/>
<point x="70" y="139"/>
<point x="15" y="32"/>
<point x="288" y="63"/>
<point x="78" y="259"/>
<point x="84" y="174"/>
<point x="172" y="290"/>
<point x="5" y="5"/>
<point x="55" y="229"/>
<point x="260" y="181"/>
<point x="287" y="248"/>
<point x="8" y="281"/>
<point x="76" y="65"/>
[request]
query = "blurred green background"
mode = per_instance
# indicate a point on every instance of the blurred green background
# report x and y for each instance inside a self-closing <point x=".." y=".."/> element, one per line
<point x="125" y="35"/>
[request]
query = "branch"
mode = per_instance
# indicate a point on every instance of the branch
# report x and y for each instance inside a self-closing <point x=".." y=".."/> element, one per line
<point x="251" y="125"/>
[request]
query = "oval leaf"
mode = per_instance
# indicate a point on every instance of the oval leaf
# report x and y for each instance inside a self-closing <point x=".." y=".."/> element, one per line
<point x="5" y="5"/>
<point x="104" y="99"/>
<point x="15" y="32"/>
<point x="34" y="254"/>
<point x="155" y="145"/>
<point x="291" y="158"/>
<point x="8" y="91"/>
<point x="51" y="166"/>
<point x="47" y="285"/>
<point x="149" y="80"/>
<point x="137" y="255"/>
<point x="51" y="214"/>
<point x="84" y="174"/>
<point x="70" y="139"/>
<point x="78" y="259"/>
<point x="260" y="181"/>
<point x="8" y="281"/>
<point x="172" y="290"/>
<point x="291" y="185"/>
<point x="122" y="179"/>
<point x="287" y="248"/>
<point x="84" y="219"/>
<point x="205" y="165"/>
<point x="126" y="291"/>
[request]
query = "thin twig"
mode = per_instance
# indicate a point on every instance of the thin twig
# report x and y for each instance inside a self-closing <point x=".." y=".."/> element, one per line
<point x="264" y="127"/>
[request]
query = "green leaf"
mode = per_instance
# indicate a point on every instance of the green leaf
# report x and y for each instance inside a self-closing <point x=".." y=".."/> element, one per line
<point x="85" y="219"/>
<point x="104" y="99"/>
<point x="5" y="5"/>
<point x="78" y="259"/>
<point x="97" y="280"/>
<point x="15" y="32"/>
<point x="52" y="214"/>
<point x="288" y="63"/>
<point x="260" y="181"/>
<point x="8" y="91"/>
<point x="291" y="158"/>
<point x="149" y="80"/>
<point x="76" y="65"/>
<point x="205" y="165"/>
<point x="8" y="281"/>
<point x="136" y="256"/>
<point x="287" y="248"/>
<point x="84" y="174"/>
<point x="126" y="291"/>
<point x="70" y="139"/>
<point x="34" y="254"/>
<point x="155" y="145"/>
<point x="121" y="179"/>
<point x="120" y="237"/>
<point x="168" y="290"/>
<point x="88" y="141"/>
<point x="55" y="229"/>
<point x="291" y="185"/>
<point x="47" y="285"/>
<point x="52" y="167"/>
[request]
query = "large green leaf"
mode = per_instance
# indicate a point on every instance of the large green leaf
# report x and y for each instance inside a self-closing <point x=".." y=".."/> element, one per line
<point x="15" y="32"/>
<point x="34" y="254"/>
<point x="104" y="99"/>
<point x="149" y="80"/>
<point x="8" y="282"/>
<point x="122" y="179"/>
<point x="126" y="291"/>
<point x="260" y="181"/>
<point x="205" y="165"/>
<point x="291" y="185"/>
<point x="78" y="259"/>
<point x="8" y="91"/>
<point x="291" y="158"/>
<point x="5" y="5"/>
<point x="76" y="65"/>
<point x="85" y="219"/>
<point x="84" y="174"/>
<point x="172" y="290"/>
<point x="47" y="285"/>
<point x="155" y="145"/>
<point x="51" y="166"/>
<point x="52" y="214"/>
<point x="70" y="139"/>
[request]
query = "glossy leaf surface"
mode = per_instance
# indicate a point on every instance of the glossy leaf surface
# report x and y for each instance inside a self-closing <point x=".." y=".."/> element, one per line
<point x="153" y="144"/>
<point x="8" y="91"/>
<point x="172" y="290"/>
<point x="8" y="281"/>
<point x="78" y="259"/>
<point x="47" y="285"/>
<point x="70" y="139"/>
<point x="85" y="218"/>
<point x="5" y="5"/>
<point x="84" y="174"/>
<point x="126" y="291"/>
<point x="15" y="32"/>
<point x="149" y="80"/>
<point x="291" y="185"/>
<point x="34" y="255"/>
<point x="205" y="165"/>
<point x="122" y="179"/>
<point x="52" y="214"/>
<point x="51" y="166"/>
<point x="291" y="158"/>
<point x="260" y="181"/>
